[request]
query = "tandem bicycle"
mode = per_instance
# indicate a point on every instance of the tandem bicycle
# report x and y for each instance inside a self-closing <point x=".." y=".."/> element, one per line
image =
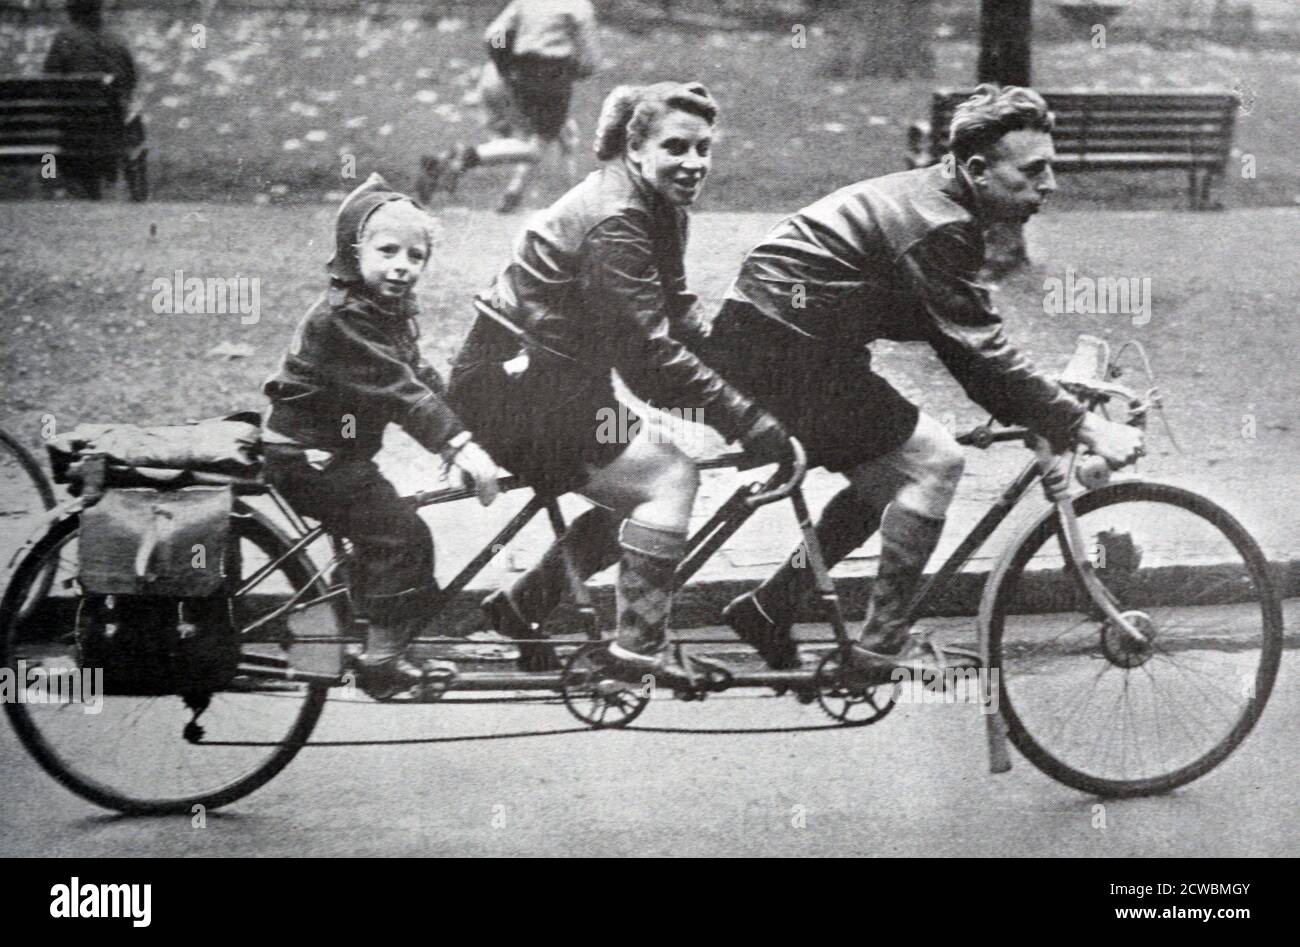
<point x="1121" y="666"/>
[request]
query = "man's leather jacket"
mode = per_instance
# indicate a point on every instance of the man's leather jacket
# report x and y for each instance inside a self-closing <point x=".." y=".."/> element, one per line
<point x="600" y="277"/>
<point x="896" y="258"/>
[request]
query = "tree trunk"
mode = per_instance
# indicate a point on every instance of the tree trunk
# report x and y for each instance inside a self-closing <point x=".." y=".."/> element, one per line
<point x="1005" y="27"/>
<point x="889" y="38"/>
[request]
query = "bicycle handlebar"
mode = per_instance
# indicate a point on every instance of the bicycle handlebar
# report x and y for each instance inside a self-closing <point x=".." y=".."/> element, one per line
<point x="787" y="477"/>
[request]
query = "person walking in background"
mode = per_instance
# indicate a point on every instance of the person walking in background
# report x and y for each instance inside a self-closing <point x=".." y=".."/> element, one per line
<point x="537" y="50"/>
<point x="85" y="46"/>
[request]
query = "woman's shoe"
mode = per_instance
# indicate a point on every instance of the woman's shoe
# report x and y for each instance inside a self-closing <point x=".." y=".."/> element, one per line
<point x="510" y="622"/>
<point x="773" y="642"/>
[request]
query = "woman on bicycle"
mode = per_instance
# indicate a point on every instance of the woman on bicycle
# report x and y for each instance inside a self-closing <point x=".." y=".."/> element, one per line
<point x="597" y="282"/>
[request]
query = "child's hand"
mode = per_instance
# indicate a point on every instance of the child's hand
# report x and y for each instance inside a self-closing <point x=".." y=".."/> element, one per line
<point x="475" y="466"/>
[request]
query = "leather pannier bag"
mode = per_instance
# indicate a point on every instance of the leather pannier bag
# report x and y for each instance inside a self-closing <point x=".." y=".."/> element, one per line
<point x="140" y="541"/>
<point x="156" y="610"/>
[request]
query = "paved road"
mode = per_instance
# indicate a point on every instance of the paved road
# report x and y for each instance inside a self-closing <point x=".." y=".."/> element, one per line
<point x="736" y="775"/>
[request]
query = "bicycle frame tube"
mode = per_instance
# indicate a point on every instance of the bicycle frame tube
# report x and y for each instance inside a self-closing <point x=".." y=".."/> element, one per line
<point x="517" y="522"/>
<point x="1057" y="487"/>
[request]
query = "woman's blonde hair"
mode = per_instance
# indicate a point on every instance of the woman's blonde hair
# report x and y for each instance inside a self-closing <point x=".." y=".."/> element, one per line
<point x="630" y="112"/>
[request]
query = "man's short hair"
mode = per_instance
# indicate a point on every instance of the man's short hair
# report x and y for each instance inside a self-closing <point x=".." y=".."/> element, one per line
<point x="980" y="121"/>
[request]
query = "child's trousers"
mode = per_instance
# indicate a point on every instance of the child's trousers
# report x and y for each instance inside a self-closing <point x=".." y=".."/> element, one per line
<point x="392" y="562"/>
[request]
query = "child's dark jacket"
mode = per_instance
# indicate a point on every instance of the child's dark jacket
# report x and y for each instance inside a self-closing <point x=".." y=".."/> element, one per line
<point x="354" y="365"/>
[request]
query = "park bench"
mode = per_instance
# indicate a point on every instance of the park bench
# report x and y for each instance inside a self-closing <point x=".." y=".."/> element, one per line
<point x="1116" y="131"/>
<point x="75" y="124"/>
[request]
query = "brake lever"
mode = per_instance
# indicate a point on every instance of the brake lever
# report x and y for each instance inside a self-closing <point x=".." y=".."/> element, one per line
<point x="787" y="478"/>
<point x="1153" y="398"/>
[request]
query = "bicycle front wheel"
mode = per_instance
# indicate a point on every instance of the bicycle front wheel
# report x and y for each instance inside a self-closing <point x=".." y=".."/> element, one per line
<point x="144" y="755"/>
<point x="1100" y="712"/>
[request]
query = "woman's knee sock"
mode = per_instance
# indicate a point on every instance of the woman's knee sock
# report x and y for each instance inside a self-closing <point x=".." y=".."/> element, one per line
<point x="644" y="592"/>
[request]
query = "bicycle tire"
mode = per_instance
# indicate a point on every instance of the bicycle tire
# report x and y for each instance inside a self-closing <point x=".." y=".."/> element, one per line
<point x="33" y="471"/>
<point x="1005" y="582"/>
<point x="248" y="525"/>
<point x="31" y="466"/>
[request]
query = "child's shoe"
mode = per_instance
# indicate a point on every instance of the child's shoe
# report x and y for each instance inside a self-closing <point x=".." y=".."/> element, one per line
<point x="385" y="671"/>
<point x="390" y="677"/>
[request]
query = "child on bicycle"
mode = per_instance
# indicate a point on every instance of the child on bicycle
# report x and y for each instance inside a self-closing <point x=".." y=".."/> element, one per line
<point x="353" y="368"/>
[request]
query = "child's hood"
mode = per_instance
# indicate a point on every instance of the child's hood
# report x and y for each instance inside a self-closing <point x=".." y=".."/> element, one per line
<point x="344" y="266"/>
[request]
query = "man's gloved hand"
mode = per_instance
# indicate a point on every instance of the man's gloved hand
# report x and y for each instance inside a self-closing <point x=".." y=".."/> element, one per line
<point x="474" y="468"/>
<point x="1118" y="443"/>
<point x="766" y="442"/>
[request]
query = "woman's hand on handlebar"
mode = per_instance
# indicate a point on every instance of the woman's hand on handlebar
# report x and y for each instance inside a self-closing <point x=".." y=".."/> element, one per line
<point x="475" y="468"/>
<point x="766" y="442"/>
<point x="1119" y="444"/>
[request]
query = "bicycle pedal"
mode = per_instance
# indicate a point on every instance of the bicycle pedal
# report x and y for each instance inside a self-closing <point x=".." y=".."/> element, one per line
<point x="608" y="687"/>
<point x="714" y="674"/>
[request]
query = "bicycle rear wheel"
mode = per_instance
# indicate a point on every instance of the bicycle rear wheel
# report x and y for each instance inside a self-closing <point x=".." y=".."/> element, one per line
<point x="1099" y="712"/>
<point x="25" y="493"/>
<point x="140" y="754"/>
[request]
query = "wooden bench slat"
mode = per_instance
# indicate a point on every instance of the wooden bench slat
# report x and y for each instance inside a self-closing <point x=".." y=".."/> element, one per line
<point x="1104" y="95"/>
<point x="1154" y="108"/>
<point x="1140" y="118"/>
<point x="1118" y="145"/>
<point x="71" y="116"/>
<point x="1068" y="119"/>
<point x="1139" y="142"/>
<point x="46" y="102"/>
<point x="1119" y="161"/>
<point x="80" y="142"/>
<point x="61" y="116"/>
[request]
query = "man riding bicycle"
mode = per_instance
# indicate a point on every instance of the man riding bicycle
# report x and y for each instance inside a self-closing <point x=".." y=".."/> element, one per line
<point x="896" y="258"/>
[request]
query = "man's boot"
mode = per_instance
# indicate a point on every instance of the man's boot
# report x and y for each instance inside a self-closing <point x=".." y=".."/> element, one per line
<point x="909" y="538"/>
<point x="763" y="617"/>
<point x="591" y="544"/>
